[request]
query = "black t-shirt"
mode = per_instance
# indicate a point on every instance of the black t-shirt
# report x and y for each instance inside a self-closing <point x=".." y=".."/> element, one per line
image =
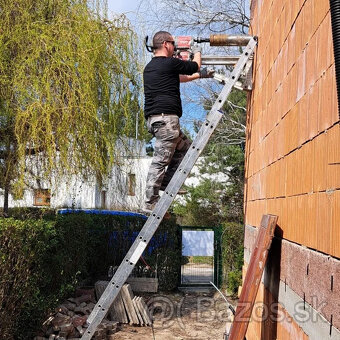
<point x="161" y="85"/>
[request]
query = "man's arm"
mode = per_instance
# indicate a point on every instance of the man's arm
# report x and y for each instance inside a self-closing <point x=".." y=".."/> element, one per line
<point x="184" y="78"/>
<point x="203" y="73"/>
<point x="197" y="58"/>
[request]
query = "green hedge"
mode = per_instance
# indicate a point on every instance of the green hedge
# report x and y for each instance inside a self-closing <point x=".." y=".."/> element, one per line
<point x="24" y="213"/>
<point x="232" y="255"/>
<point x="42" y="260"/>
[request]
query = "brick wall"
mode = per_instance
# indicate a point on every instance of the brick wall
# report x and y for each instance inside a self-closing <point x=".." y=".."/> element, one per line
<point x="293" y="140"/>
<point x="293" y="153"/>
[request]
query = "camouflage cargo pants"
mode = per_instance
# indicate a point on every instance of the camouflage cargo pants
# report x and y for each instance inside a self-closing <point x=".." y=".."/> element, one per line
<point x="170" y="147"/>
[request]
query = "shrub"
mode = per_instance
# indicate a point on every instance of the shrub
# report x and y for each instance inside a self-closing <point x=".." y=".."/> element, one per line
<point x="25" y="246"/>
<point x="41" y="261"/>
<point x="24" y="213"/>
<point x="232" y="255"/>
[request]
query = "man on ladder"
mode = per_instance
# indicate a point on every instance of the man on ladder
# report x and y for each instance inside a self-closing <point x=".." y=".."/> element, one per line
<point x="162" y="110"/>
<point x="162" y="204"/>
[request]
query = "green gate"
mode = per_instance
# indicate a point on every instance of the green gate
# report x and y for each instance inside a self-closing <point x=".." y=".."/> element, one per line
<point x="201" y="256"/>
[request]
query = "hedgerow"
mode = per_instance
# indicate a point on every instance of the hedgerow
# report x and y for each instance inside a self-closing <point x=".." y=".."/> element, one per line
<point x="43" y="260"/>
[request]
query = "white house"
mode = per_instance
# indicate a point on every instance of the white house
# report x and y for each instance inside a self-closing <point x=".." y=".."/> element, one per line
<point x="124" y="189"/>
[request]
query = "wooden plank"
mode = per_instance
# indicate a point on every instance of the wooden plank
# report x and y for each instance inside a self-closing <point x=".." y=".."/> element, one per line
<point x="117" y="311"/>
<point x="120" y="309"/>
<point x="140" y="317"/>
<point x="253" y="277"/>
<point x="99" y="288"/>
<point x="144" y="310"/>
<point x="143" y="284"/>
<point x="127" y="296"/>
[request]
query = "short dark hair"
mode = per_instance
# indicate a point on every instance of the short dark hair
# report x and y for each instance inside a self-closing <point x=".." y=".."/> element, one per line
<point x="159" y="38"/>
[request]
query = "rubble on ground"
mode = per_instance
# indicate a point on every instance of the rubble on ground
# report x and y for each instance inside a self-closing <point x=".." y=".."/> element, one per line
<point x="68" y="322"/>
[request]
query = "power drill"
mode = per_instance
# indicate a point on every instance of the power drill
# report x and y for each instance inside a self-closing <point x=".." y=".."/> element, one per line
<point x="183" y="44"/>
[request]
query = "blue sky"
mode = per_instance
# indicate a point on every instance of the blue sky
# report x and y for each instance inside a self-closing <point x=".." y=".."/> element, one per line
<point x="123" y="6"/>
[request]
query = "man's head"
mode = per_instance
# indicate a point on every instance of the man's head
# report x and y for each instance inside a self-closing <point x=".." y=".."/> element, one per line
<point x="163" y="42"/>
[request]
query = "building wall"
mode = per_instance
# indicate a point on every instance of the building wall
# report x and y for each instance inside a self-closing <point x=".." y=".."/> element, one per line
<point x="76" y="192"/>
<point x="293" y="150"/>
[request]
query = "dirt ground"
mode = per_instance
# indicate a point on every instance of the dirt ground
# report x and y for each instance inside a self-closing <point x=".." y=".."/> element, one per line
<point x="181" y="316"/>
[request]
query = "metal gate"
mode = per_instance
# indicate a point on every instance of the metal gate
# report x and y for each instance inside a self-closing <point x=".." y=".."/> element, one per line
<point x="199" y="263"/>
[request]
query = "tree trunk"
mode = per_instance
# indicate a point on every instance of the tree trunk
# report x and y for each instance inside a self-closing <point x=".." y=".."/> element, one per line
<point x="6" y="194"/>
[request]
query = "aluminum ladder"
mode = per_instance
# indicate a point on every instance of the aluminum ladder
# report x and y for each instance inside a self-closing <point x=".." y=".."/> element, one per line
<point x="124" y="270"/>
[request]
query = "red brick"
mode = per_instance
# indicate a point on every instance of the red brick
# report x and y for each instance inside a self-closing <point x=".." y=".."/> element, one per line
<point x="321" y="52"/>
<point x="281" y="31"/>
<point x="278" y="103"/>
<point x="280" y="146"/>
<point x="320" y="163"/>
<point x="295" y="173"/>
<point x="279" y="211"/>
<point x="285" y="59"/>
<point x="310" y="232"/>
<point x="300" y="225"/>
<point x="282" y="178"/>
<point x="307" y="167"/>
<point x="334" y="96"/>
<point x="335" y="246"/>
<point x="320" y="10"/>
<point x="302" y="111"/>
<point x="324" y="222"/>
<point x="301" y="76"/>
<point x="277" y="179"/>
<point x="289" y="174"/>
<point x="307" y="22"/>
<point x="311" y="62"/>
<point x="295" y="8"/>
<point x="325" y="44"/>
<point x="291" y="48"/>
<point x="330" y="47"/>
<point x="333" y="162"/>
<point x="293" y="84"/>
<point x="294" y="128"/>
<point x="325" y="103"/>
<point x="313" y="107"/>
<point x="280" y="69"/>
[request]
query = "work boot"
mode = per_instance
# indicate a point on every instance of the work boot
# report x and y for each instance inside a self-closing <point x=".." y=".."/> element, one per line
<point x="148" y="209"/>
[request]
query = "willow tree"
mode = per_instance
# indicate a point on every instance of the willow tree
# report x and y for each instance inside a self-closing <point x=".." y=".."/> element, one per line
<point x="69" y="88"/>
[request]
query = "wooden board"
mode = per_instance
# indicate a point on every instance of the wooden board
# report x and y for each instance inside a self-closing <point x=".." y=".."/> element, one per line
<point x="143" y="284"/>
<point x="139" y="314"/>
<point x="127" y="296"/>
<point x="117" y="311"/>
<point x="120" y="309"/>
<point x="144" y="311"/>
<point x="253" y="277"/>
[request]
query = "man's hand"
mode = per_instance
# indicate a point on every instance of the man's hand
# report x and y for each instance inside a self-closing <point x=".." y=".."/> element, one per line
<point x="206" y="72"/>
<point x="196" y="49"/>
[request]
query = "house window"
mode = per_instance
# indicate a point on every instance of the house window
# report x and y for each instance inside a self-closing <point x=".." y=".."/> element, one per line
<point x="131" y="184"/>
<point x="42" y="197"/>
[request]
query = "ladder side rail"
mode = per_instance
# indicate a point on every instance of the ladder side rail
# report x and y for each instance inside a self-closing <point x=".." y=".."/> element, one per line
<point x="151" y="225"/>
<point x="124" y="270"/>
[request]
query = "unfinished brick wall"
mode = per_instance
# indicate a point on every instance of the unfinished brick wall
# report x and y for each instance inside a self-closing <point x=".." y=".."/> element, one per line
<point x="293" y="150"/>
<point x="293" y="141"/>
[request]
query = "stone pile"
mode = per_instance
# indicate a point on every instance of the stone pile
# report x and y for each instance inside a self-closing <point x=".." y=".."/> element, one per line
<point x="69" y="320"/>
